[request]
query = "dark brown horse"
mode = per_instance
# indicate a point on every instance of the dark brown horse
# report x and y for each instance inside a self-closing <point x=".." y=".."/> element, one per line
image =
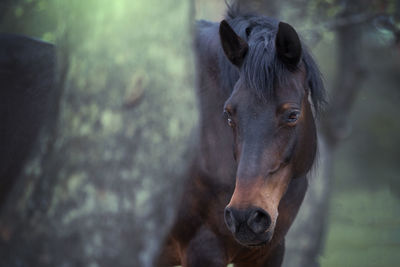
<point x="249" y="177"/>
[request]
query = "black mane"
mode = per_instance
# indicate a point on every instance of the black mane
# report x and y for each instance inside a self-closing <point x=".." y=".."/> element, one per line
<point x="262" y="69"/>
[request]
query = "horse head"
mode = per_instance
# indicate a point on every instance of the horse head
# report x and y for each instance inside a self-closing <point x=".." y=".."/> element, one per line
<point x="272" y="123"/>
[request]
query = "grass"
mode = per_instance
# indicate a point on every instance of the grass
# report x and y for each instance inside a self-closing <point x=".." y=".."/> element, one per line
<point x="364" y="230"/>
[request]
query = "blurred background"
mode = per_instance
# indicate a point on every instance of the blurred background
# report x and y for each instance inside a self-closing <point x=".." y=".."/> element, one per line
<point x="92" y="179"/>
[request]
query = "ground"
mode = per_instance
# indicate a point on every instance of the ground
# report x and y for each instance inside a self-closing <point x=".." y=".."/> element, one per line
<point x="364" y="229"/>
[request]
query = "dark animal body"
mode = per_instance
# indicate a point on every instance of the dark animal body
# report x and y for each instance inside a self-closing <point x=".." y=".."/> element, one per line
<point x="27" y="72"/>
<point x="249" y="177"/>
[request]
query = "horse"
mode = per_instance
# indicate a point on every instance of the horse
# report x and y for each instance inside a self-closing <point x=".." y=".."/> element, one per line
<point x="259" y="92"/>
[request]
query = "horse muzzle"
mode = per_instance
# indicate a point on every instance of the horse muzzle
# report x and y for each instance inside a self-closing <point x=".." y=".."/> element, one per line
<point x="251" y="226"/>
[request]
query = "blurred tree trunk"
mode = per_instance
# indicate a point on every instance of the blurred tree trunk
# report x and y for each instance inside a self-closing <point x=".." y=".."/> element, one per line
<point x="102" y="184"/>
<point x="264" y="7"/>
<point x="26" y="89"/>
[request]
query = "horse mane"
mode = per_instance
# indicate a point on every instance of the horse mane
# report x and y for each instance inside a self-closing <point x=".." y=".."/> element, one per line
<point x="261" y="68"/>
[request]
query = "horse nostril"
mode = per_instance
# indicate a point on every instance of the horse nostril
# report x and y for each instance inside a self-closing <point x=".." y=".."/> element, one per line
<point x="230" y="220"/>
<point x="259" y="221"/>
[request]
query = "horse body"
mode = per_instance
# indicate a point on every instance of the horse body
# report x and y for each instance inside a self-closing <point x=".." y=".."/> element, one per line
<point x="259" y="186"/>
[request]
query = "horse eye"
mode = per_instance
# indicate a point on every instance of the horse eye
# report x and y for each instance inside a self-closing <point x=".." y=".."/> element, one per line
<point x="292" y="116"/>
<point x="228" y="117"/>
<point x="231" y="123"/>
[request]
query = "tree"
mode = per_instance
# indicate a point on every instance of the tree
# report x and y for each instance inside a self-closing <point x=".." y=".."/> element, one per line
<point x="105" y="173"/>
<point x="267" y="7"/>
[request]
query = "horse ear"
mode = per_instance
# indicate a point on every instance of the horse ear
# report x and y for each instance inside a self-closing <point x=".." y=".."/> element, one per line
<point x="288" y="45"/>
<point x="235" y="48"/>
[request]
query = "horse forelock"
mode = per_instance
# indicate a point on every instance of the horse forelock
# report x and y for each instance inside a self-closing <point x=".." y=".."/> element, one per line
<point x="262" y="70"/>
